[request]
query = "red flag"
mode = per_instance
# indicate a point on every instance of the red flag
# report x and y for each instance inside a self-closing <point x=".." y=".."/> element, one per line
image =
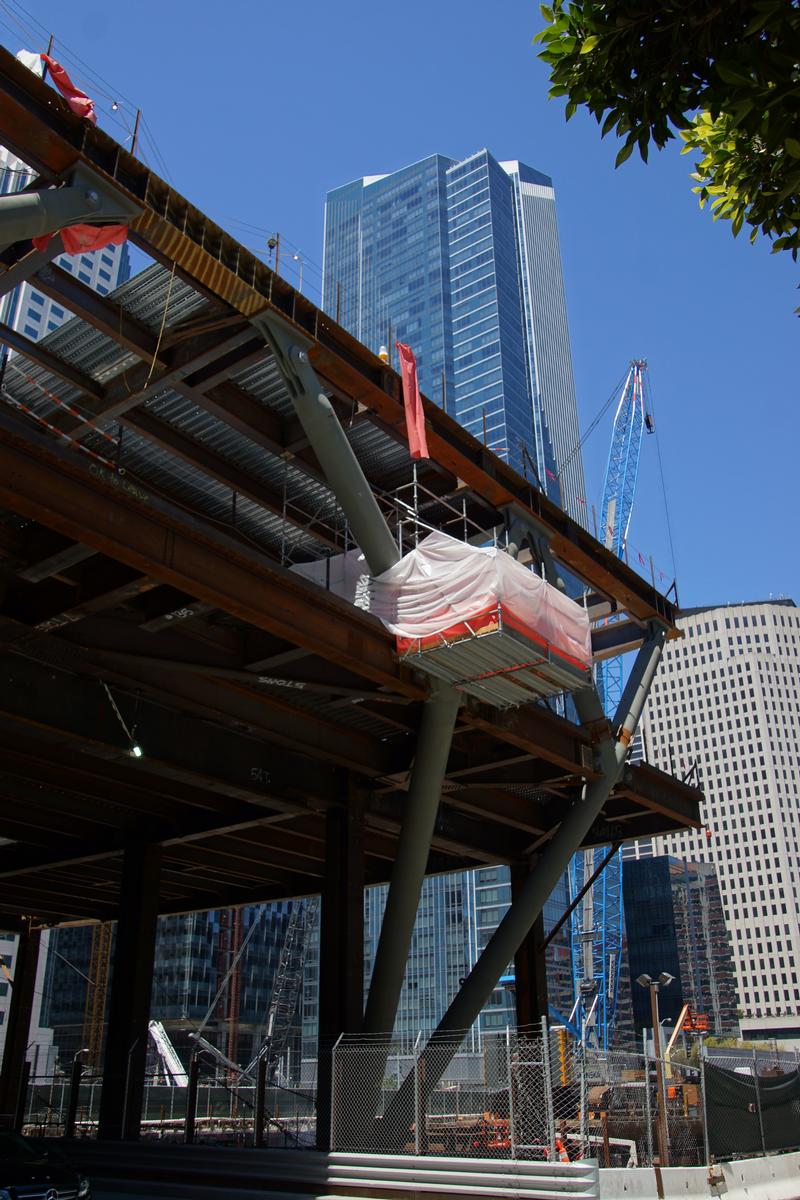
<point x="80" y="239"/>
<point x="415" y="416"/>
<point x="581" y="500"/>
<point x="547" y="471"/>
<point x="78" y="101"/>
<point x="641" y="558"/>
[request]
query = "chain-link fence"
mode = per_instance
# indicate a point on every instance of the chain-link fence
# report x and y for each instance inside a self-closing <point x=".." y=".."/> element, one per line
<point x="540" y="1095"/>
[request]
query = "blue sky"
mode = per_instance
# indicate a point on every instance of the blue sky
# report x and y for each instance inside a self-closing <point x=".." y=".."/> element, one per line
<point x="259" y="108"/>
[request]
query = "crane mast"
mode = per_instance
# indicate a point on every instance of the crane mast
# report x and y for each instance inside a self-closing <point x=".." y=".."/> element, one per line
<point x="596" y="921"/>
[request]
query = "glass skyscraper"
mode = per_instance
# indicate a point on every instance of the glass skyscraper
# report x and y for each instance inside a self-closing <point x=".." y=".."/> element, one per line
<point x="461" y="261"/>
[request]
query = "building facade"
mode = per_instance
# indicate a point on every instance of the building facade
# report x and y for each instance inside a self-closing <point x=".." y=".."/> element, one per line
<point x="725" y="705"/>
<point x="674" y="923"/>
<point x="461" y="261"/>
<point x="214" y="973"/>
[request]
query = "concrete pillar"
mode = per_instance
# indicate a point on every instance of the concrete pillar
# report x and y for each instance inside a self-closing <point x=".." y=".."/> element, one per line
<point x="26" y="958"/>
<point x="129" y="1002"/>
<point x="341" y="948"/>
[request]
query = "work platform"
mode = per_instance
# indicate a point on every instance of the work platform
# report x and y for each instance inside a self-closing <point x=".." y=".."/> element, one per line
<point x="168" y="685"/>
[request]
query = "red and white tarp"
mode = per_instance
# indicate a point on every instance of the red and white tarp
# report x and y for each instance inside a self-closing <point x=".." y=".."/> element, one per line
<point x="447" y="588"/>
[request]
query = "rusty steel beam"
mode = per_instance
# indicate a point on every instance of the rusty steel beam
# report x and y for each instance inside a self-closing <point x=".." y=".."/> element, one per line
<point x="127" y="523"/>
<point x="177" y="232"/>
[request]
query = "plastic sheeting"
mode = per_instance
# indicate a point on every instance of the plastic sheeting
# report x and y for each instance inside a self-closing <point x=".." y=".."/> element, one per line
<point x="446" y="589"/>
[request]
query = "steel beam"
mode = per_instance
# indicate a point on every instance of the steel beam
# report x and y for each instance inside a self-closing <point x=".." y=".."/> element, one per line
<point x="128" y="523"/>
<point x="222" y="765"/>
<point x="19" y="264"/>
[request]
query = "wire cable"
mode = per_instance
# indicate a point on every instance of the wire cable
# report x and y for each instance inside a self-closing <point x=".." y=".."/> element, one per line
<point x="593" y="426"/>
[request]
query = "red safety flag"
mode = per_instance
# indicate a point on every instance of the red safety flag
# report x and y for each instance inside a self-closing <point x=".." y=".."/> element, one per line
<point x="78" y="101"/>
<point x="80" y="239"/>
<point x="581" y="500"/>
<point x="415" y="416"/>
<point x="641" y="558"/>
<point x="547" y="471"/>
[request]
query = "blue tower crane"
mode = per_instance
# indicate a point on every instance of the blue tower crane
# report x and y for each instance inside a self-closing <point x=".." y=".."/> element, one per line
<point x="596" y="921"/>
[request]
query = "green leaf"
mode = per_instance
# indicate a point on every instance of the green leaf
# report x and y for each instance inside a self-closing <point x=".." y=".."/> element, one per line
<point x="792" y="147"/>
<point x="729" y="74"/>
<point x="547" y="13"/>
<point x="624" y="153"/>
<point x="590" y="44"/>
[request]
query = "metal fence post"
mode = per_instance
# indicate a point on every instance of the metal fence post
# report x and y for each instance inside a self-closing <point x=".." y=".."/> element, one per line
<point x="758" y="1103"/>
<point x="260" y="1105"/>
<point x="22" y="1097"/>
<point x="419" y="1103"/>
<point x="512" y="1136"/>
<point x="333" y="1139"/>
<point x="548" y="1090"/>
<point x="704" y="1101"/>
<point x="191" y="1100"/>
<point x="648" y="1108"/>
<point x="584" y="1106"/>
<point x="74" y="1093"/>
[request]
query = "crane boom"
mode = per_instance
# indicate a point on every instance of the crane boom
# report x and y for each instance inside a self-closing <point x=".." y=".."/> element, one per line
<point x="596" y="922"/>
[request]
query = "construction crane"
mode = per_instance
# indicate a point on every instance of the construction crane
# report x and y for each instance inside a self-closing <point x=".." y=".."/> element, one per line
<point x="596" y="921"/>
<point x="97" y="993"/>
<point x="287" y="986"/>
<point x="174" y="1071"/>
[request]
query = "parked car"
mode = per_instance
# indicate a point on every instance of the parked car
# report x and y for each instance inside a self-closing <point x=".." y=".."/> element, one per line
<point x="29" y="1171"/>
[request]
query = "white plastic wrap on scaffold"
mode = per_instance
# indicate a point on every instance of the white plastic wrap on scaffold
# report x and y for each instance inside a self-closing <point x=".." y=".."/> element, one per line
<point x="444" y="582"/>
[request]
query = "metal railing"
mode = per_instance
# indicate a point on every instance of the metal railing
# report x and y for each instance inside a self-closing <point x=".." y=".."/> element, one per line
<point x="537" y="1094"/>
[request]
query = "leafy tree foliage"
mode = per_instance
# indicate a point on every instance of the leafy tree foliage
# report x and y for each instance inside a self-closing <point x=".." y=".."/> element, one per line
<point x="724" y="73"/>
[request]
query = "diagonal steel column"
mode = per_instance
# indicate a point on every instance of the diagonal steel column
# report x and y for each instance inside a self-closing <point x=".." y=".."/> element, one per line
<point x="329" y="442"/>
<point x="86" y="198"/>
<point x="354" y="495"/>
<point x="419" y="817"/>
<point x="478" y="986"/>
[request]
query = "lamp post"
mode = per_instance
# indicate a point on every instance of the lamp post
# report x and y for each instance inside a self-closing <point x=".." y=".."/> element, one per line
<point x="299" y="259"/>
<point x="645" y="981"/>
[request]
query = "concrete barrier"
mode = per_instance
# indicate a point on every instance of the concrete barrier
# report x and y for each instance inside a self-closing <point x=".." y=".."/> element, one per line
<point x="775" y="1177"/>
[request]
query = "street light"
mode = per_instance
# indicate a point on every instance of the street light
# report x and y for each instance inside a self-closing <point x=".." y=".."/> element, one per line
<point x="646" y="981"/>
<point x="298" y="259"/>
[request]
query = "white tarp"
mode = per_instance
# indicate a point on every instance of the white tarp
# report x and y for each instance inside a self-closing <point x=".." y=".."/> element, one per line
<point x="444" y="582"/>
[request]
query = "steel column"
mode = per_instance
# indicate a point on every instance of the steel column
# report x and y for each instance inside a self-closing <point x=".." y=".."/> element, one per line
<point x="408" y="872"/>
<point x="131" y="985"/>
<point x="19" y="1020"/>
<point x="341" y="950"/>
<point x="530" y="964"/>
<point x="329" y="442"/>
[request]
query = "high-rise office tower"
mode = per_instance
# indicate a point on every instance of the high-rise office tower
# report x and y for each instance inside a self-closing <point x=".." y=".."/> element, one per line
<point x="726" y="700"/>
<point x="461" y="260"/>
<point x="674" y="923"/>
